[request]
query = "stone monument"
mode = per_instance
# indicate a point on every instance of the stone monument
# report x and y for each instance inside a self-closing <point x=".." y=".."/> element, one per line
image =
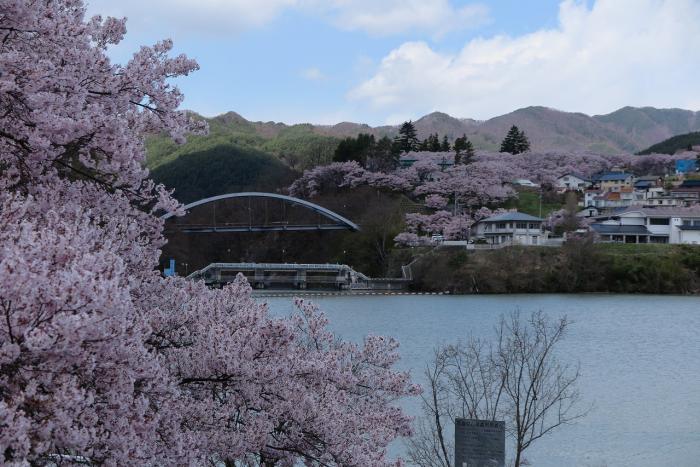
<point x="480" y="443"/>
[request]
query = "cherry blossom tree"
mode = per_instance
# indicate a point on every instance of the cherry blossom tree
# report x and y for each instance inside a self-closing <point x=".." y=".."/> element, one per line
<point x="485" y="183"/>
<point x="435" y="201"/>
<point x="275" y="391"/>
<point x="102" y="361"/>
<point x="75" y="375"/>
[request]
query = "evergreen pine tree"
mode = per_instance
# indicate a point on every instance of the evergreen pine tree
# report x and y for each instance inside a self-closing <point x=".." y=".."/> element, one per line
<point x="522" y="144"/>
<point x="460" y="145"/>
<point x="382" y="157"/>
<point x="355" y="149"/>
<point x="434" y="143"/>
<point x="445" y="146"/>
<point x="464" y="150"/>
<point x="509" y="142"/>
<point x="407" y="140"/>
<point x="468" y="152"/>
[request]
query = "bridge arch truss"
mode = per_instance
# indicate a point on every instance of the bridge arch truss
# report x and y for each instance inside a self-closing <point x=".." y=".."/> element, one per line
<point x="326" y="219"/>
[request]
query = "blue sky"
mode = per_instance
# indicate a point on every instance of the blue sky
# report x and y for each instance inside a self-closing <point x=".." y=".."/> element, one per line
<point x="383" y="61"/>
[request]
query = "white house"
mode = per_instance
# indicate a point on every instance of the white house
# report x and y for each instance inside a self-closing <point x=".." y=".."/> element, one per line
<point x="588" y="211"/>
<point x="660" y="200"/>
<point x="511" y="228"/>
<point x="651" y="225"/>
<point x="572" y="181"/>
<point x="613" y="199"/>
<point x="525" y="182"/>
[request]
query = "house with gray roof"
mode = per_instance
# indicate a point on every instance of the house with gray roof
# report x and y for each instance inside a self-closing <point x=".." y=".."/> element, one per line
<point x="572" y="181"/>
<point x="514" y="228"/>
<point x="650" y="225"/>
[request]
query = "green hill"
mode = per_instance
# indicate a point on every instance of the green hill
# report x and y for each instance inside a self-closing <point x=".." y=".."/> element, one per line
<point x="298" y="146"/>
<point x="671" y="145"/>
<point x="236" y="155"/>
<point x="219" y="169"/>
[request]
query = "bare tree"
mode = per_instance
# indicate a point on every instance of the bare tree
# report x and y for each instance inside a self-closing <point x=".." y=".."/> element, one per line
<point x="429" y="446"/>
<point x="517" y="378"/>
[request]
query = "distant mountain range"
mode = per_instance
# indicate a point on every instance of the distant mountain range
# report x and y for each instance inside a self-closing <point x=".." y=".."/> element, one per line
<point x="629" y="129"/>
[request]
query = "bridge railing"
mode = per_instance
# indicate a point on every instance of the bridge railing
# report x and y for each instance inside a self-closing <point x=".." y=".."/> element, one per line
<point x="297" y="274"/>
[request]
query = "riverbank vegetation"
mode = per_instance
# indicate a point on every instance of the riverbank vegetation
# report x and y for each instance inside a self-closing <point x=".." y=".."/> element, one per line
<point x="577" y="267"/>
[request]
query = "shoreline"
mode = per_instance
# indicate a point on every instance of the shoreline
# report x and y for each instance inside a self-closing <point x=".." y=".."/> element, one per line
<point x="335" y="293"/>
<point x="321" y="293"/>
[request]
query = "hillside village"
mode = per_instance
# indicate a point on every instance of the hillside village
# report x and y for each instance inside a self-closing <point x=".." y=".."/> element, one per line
<point x="615" y="206"/>
<point x="612" y="206"/>
<point x="625" y="208"/>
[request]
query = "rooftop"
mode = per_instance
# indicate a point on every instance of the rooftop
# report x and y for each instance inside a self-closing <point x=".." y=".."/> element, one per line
<point x="662" y="211"/>
<point x="610" y="229"/>
<point x="612" y="176"/>
<point x="573" y="174"/>
<point x="512" y="216"/>
<point x="685" y="189"/>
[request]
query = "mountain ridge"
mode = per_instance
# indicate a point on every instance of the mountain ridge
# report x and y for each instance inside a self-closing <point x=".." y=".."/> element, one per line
<point x="628" y="129"/>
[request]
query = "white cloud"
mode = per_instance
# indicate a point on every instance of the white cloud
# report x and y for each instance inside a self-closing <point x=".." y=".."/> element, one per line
<point x="386" y="17"/>
<point x="313" y="74"/>
<point x="376" y="17"/>
<point x="616" y="53"/>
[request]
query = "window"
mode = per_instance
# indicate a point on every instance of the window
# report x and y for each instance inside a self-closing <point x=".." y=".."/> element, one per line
<point x="533" y="225"/>
<point x="659" y="221"/>
<point x="521" y="225"/>
<point x="501" y="225"/>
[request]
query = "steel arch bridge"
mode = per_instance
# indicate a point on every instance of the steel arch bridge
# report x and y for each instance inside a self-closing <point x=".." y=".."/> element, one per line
<point x="325" y="219"/>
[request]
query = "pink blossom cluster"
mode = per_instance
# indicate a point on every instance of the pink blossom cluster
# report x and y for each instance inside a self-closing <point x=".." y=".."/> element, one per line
<point x="556" y="218"/>
<point x="435" y="201"/>
<point x="486" y="181"/>
<point x="325" y="178"/>
<point x="421" y="227"/>
<point x="102" y="360"/>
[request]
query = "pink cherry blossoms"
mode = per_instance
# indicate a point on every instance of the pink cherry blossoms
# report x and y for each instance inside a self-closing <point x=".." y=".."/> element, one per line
<point x="454" y="194"/>
<point x="102" y="361"/>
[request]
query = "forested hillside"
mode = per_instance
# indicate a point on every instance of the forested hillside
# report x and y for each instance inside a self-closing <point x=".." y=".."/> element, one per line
<point x="297" y="146"/>
<point x="222" y="168"/>
<point x="676" y="143"/>
<point x="236" y="155"/>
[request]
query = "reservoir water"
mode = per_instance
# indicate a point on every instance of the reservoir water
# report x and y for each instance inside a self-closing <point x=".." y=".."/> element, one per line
<point x="639" y="357"/>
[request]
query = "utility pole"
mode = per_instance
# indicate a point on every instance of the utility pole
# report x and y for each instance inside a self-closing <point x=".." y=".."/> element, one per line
<point x="540" y="201"/>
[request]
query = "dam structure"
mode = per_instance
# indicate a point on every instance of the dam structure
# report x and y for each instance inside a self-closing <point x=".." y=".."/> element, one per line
<point x="292" y="276"/>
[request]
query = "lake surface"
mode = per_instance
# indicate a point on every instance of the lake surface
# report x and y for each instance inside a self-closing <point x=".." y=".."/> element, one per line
<point x="639" y="356"/>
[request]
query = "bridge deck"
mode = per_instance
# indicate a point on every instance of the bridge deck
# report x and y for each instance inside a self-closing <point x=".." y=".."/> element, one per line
<point x="262" y="275"/>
